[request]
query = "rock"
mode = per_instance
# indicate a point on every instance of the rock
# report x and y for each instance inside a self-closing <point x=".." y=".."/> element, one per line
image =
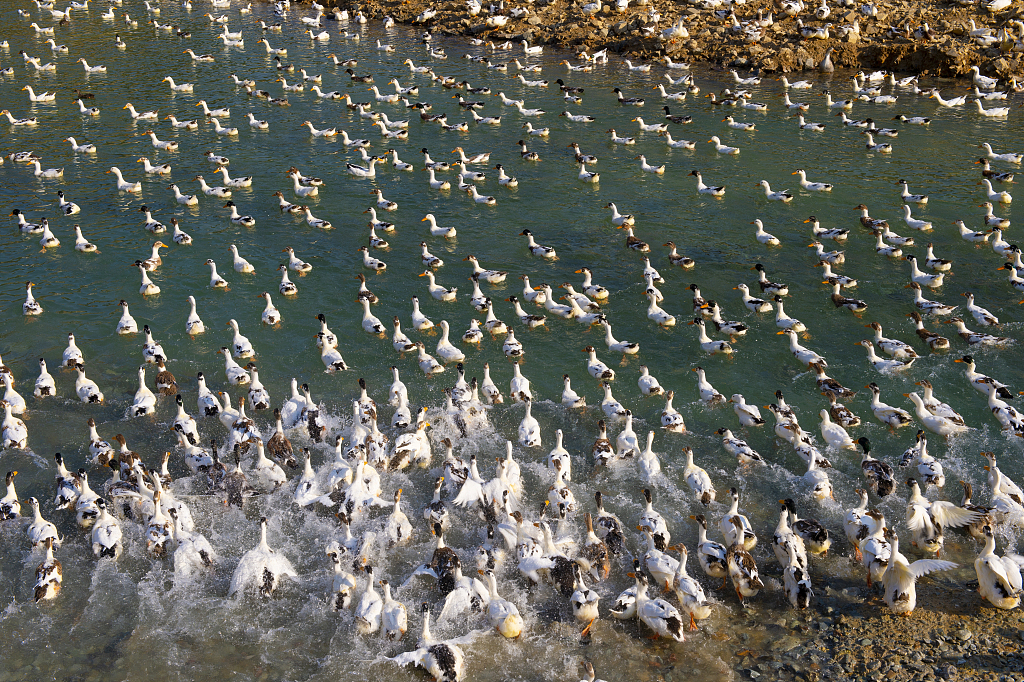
<point x="963" y="634"/>
<point x="946" y="672"/>
<point x="534" y="20"/>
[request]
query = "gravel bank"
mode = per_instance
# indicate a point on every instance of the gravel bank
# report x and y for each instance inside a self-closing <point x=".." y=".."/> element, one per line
<point x="943" y="45"/>
<point x="848" y="634"/>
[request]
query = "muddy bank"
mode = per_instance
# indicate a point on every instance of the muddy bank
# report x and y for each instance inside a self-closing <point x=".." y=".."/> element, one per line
<point x="930" y="38"/>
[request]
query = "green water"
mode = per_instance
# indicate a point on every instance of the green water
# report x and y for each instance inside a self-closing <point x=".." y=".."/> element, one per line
<point x="133" y="618"/>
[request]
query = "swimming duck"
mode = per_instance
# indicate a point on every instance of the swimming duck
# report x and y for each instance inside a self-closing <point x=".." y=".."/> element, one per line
<point x="156" y="227"/>
<point x="427" y="363"/>
<point x="626" y="442"/>
<point x="937" y="264"/>
<point x="834" y="434"/>
<point x="234" y="372"/>
<point x="786" y="322"/>
<point x="85" y="388"/>
<point x="878" y="473"/>
<point x="922" y="278"/>
<point x="300" y="190"/>
<point x="930" y="307"/>
<point x="659" y="316"/>
<point x="216" y="281"/>
<point x="881" y="364"/>
<point x="44" y="386"/>
<point x="219" y="192"/>
<point x="894" y="417"/>
<point x="983" y="317"/>
<point x="106" y="533"/>
<point x="529" y="428"/>
<point x="238" y="182"/>
<point x="782" y="195"/>
<point x="136" y="115"/>
<point x="927" y="520"/>
<point x="976" y="338"/>
<point x="436" y="290"/>
<point x="49" y="573"/>
<point x="735" y="446"/>
<point x="801" y="353"/>
<point x="941" y="425"/>
<point x="25" y="226"/>
<point x="814" y="534"/>
<point x="602" y="449"/>
<point x="122" y="184"/>
<point x="19" y="121"/>
<point x="928" y="468"/>
<point x="261" y="569"/>
<point x="302" y="267"/>
<point x="238" y="263"/>
<point x="194" y="324"/>
<point x="445" y="349"/>
<point x="184" y="199"/>
<point x="698" y="479"/>
<point x="786" y="539"/>
<point x="188" y="124"/>
<point x="741" y="566"/>
<point x="588" y="176"/>
<point x="501" y="613"/>
<point x="150" y="169"/>
<point x="993" y="196"/>
<point x="764" y="237"/>
<point x="624" y="347"/>
<point x="708" y="394"/>
<point x="1000" y="245"/>
<point x="145" y="400"/>
<point x="835" y="234"/>
<point x="756" y="305"/>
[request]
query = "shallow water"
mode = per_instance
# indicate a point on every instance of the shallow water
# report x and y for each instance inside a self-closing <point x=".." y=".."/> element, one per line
<point x="136" y="618"/>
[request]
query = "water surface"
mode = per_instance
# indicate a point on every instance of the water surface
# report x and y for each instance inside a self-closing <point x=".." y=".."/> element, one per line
<point x="136" y="618"/>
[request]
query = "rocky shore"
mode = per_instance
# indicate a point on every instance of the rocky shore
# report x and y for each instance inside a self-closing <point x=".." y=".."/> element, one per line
<point x="930" y="38"/>
<point x="849" y="634"/>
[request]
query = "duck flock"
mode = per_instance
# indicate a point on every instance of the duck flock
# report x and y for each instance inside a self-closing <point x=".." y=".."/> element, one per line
<point x="541" y="523"/>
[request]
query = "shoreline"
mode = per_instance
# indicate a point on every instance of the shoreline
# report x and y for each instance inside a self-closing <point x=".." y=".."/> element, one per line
<point x="949" y="51"/>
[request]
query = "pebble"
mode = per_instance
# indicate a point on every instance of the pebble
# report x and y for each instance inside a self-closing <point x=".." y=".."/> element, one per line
<point x="964" y="634"/>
